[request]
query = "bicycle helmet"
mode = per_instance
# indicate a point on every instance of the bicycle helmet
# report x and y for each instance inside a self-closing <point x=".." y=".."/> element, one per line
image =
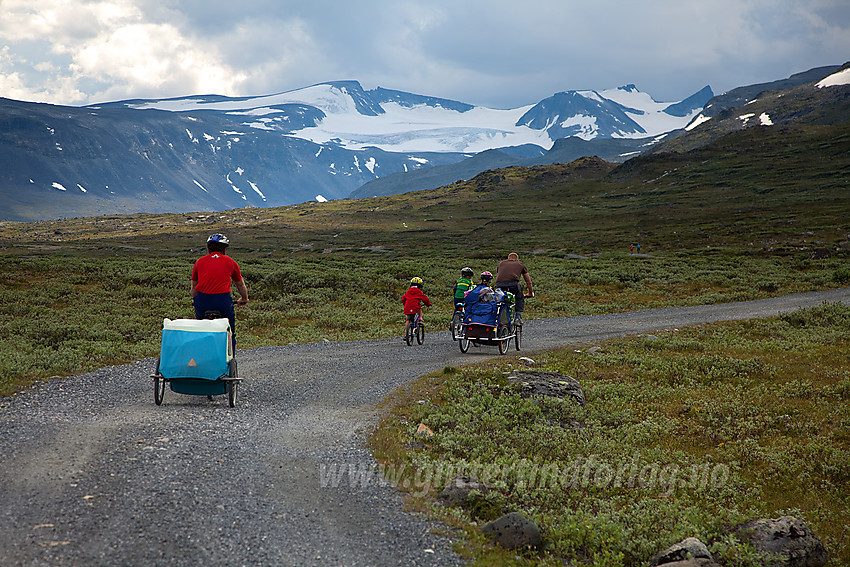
<point x="417" y="281"/>
<point x="486" y="276"/>
<point x="466" y="272"/>
<point x="220" y="238"/>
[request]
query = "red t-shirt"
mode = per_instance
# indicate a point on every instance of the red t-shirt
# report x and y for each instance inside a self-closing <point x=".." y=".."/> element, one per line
<point x="412" y="300"/>
<point x="213" y="273"/>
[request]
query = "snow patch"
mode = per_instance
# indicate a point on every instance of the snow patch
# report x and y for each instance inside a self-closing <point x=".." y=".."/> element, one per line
<point x="370" y="165"/>
<point x="587" y="125"/>
<point x="235" y="188"/>
<point x="765" y="120"/>
<point x="746" y="118"/>
<point x="836" y="79"/>
<point x="697" y="121"/>
<point x="57" y="185"/>
<point x="321" y="199"/>
<point x="201" y="186"/>
<point x="83" y="189"/>
<point x="257" y="190"/>
<point x="240" y="171"/>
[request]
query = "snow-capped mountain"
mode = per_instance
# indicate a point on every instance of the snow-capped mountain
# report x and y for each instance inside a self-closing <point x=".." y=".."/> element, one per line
<point x="617" y="113"/>
<point x="345" y="114"/>
<point x="211" y="152"/>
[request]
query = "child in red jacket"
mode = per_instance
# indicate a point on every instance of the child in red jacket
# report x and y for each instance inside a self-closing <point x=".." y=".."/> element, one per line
<point x="413" y="299"/>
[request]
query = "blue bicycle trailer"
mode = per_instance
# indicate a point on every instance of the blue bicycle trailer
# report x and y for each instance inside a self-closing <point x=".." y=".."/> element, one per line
<point x="196" y="358"/>
<point x="488" y="321"/>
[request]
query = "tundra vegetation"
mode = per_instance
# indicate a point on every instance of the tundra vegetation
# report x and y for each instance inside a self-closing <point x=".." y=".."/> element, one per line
<point x="685" y="433"/>
<point x="758" y="213"/>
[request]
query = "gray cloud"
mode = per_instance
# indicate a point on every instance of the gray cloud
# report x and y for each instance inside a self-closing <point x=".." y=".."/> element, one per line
<point x="496" y="53"/>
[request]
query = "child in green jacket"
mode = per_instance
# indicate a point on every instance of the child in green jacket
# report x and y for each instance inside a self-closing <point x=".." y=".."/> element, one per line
<point x="463" y="285"/>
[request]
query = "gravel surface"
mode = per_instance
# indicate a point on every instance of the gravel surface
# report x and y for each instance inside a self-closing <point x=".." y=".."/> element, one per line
<point x="96" y="474"/>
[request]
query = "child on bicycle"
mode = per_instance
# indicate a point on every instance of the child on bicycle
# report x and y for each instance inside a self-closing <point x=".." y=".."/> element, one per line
<point x="463" y="285"/>
<point x="413" y="299"/>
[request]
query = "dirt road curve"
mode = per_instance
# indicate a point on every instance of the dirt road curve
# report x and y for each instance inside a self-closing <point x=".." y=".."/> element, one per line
<point x="95" y="474"/>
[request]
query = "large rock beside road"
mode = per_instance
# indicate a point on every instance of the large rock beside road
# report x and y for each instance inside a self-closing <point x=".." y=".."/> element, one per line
<point x="787" y="539"/>
<point x="514" y="531"/>
<point x="552" y="384"/>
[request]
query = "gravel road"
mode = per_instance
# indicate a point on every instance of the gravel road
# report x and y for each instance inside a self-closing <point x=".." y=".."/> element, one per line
<point x="95" y="474"/>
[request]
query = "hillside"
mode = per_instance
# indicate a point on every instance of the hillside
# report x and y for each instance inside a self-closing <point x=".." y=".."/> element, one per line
<point x="797" y="100"/>
<point x="766" y="188"/>
<point x="563" y="150"/>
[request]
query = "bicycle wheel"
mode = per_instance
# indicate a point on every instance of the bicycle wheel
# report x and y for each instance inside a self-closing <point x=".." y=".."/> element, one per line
<point x="420" y="332"/>
<point x="408" y="333"/>
<point x="233" y="386"/>
<point x="518" y="338"/>
<point x="503" y="342"/>
<point x="457" y="321"/>
<point x="158" y="386"/>
<point x="463" y="342"/>
<point x="232" y="389"/>
<point x="158" y="390"/>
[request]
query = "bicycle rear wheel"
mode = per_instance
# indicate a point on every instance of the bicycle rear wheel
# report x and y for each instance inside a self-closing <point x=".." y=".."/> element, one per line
<point x="408" y="333"/>
<point x="457" y="321"/>
<point x="420" y="331"/>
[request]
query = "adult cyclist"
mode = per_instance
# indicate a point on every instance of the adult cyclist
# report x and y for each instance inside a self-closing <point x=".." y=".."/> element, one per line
<point x="508" y="275"/>
<point x="211" y="277"/>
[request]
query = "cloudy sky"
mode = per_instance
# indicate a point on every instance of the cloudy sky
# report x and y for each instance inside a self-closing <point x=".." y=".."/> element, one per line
<point x="496" y="53"/>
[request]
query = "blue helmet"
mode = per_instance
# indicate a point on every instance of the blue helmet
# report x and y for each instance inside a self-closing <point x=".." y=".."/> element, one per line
<point x="220" y="238"/>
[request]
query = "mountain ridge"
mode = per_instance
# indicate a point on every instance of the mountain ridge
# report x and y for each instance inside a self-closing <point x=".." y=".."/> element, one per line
<point x="212" y="152"/>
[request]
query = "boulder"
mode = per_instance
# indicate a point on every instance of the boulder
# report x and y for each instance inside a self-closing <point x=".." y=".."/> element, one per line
<point x="689" y="551"/>
<point x="513" y="531"/>
<point x="789" y="541"/>
<point x="554" y="384"/>
<point x="457" y="491"/>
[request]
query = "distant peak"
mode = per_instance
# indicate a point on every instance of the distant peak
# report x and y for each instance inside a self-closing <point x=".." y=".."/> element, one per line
<point x="350" y="85"/>
<point x="630" y="88"/>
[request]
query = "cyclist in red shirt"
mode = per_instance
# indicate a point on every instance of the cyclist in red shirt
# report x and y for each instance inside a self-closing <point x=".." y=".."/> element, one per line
<point x="413" y="299"/>
<point x="211" y="277"/>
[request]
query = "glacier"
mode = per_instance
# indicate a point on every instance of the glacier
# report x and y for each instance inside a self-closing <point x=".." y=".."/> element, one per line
<point x="345" y="115"/>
